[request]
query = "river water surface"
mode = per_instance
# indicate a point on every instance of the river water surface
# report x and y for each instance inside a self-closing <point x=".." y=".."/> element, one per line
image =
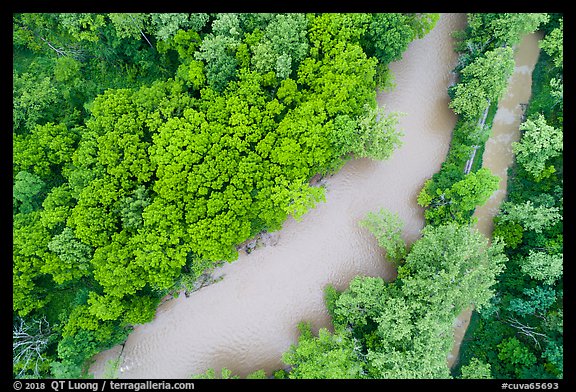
<point x="249" y="319"/>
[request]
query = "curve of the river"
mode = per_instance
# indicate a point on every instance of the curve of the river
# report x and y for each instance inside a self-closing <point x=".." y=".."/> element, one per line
<point x="249" y="319"/>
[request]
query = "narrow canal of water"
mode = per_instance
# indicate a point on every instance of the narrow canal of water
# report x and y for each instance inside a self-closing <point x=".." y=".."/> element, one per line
<point x="498" y="155"/>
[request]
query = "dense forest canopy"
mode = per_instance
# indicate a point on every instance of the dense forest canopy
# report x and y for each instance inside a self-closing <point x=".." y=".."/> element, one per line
<point x="520" y="335"/>
<point x="147" y="147"/>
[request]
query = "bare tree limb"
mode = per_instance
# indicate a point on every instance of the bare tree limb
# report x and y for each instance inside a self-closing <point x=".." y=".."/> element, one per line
<point x="140" y="30"/>
<point x="29" y="340"/>
<point x="526" y="330"/>
<point x="60" y="52"/>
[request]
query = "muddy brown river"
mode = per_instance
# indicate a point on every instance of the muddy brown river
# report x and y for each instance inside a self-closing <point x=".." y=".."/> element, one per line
<point x="249" y="319"/>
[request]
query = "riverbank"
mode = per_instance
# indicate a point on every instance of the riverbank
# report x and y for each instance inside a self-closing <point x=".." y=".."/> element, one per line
<point x="246" y="321"/>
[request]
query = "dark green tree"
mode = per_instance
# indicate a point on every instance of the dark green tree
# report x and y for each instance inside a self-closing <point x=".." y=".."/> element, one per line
<point x="540" y="143"/>
<point x="27" y="192"/>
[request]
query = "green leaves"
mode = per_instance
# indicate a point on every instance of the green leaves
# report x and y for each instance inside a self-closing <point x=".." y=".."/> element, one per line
<point x="82" y="26"/>
<point x="387" y="228"/>
<point x="343" y="80"/>
<point x="218" y="50"/>
<point x="329" y="356"/>
<point x="519" y="335"/>
<point x="66" y="69"/>
<point x="371" y="135"/>
<point x="34" y="97"/>
<point x="329" y="29"/>
<point x="540" y="142"/>
<point x="282" y="46"/>
<point x="474" y="189"/>
<point x="388" y="36"/>
<point x="73" y="257"/>
<point x="27" y="191"/>
<point x="457" y="257"/>
<point x="459" y="201"/>
<point x="377" y="134"/>
<point x="538" y="302"/>
<point x="298" y="198"/>
<point x="509" y="232"/>
<point x="91" y="216"/>
<point x="423" y="23"/>
<point x="56" y="208"/>
<point x="492" y="30"/>
<point x="129" y="25"/>
<point x="543" y="266"/>
<point x="140" y="310"/>
<point x="46" y="149"/>
<point x="509" y="27"/>
<point x="29" y="254"/>
<point x="515" y="355"/>
<point x="483" y="81"/>
<point x="529" y="216"/>
<point x="476" y="369"/>
<point x="362" y="302"/>
<point x="553" y="44"/>
<point x="132" y="208"/>
<point x="166" y="25"/>
<point x="105" y="307"/>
